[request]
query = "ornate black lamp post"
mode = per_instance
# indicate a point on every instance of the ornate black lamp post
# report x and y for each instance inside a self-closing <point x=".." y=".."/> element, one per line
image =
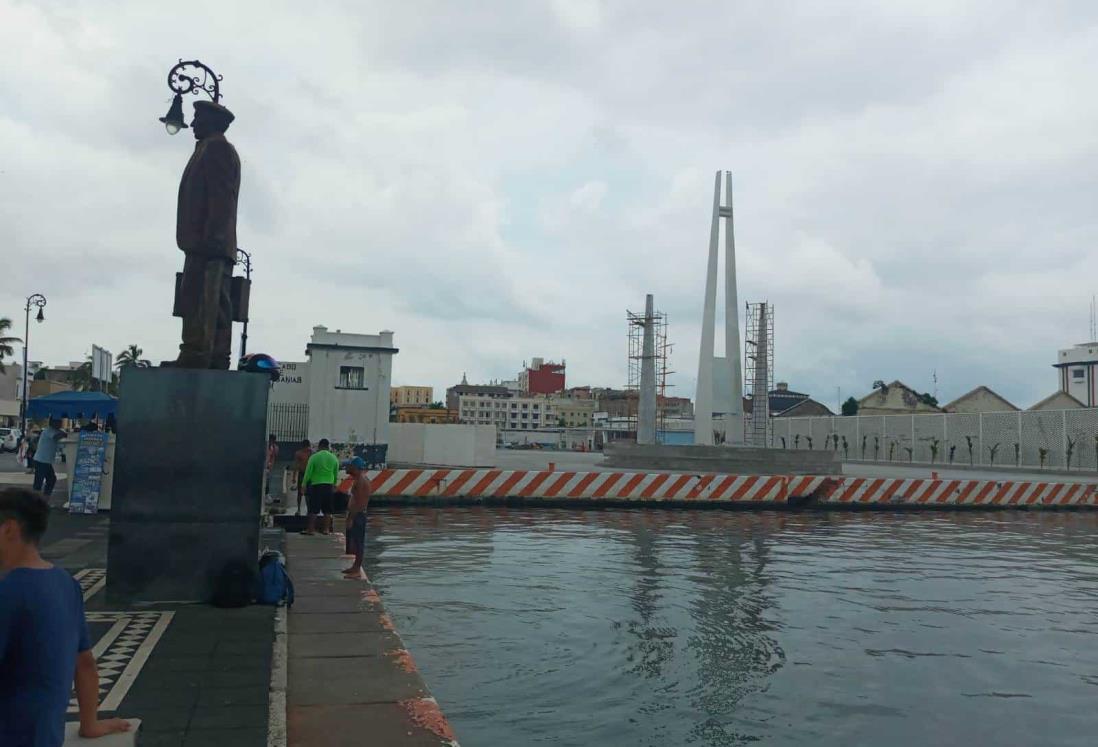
<point x="35" y="299"/>
<point x="245" y="259"/>
<point x="182" y="82"/>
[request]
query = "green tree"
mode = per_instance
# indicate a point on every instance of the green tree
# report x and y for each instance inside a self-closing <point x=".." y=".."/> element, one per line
<point x="6" y="350"/>
<point x="131" y="356"/>
<point x="928" y="399"/>
<point x="850" y="407"/>
<point x="81" y="378"/>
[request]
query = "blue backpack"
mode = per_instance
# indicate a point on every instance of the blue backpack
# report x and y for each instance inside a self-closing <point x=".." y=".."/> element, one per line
<point x="275" y="586"/>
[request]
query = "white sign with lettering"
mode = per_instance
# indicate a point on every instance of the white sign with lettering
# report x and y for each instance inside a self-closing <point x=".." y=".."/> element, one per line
<point x="293" y="384"/>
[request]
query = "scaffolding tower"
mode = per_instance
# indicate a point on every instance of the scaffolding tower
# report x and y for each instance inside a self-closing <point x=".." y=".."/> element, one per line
<point x="636" y="323"/>
<point x="758" y="367"/>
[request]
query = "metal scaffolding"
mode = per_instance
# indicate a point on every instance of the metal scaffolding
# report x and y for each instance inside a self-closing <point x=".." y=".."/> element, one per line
<point x="758" y="366"/>
<point x="637" y="323"/>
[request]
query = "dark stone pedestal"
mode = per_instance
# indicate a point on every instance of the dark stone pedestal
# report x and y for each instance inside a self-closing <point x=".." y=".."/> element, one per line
<point x="188" y="481"/>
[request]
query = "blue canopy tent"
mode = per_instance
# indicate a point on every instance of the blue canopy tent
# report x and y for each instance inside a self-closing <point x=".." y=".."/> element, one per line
<point x="73" y="405"/>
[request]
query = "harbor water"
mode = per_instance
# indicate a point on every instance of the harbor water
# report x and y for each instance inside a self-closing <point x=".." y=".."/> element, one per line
<point x="660" y="627"/>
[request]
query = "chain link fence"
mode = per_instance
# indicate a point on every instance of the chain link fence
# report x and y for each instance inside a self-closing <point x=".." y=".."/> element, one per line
<point x="1060" y="439"/>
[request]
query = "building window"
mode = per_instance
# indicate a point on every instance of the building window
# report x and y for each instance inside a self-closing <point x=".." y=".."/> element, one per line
<point x="1077" y="373"/>
<point x="352" y="377"/>
<point x="526" y="407"/>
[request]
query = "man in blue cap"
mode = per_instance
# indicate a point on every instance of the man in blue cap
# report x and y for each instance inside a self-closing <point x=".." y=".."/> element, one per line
<point x="356" y="513"/>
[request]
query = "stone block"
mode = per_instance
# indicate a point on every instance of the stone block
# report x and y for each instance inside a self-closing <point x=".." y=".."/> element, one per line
<point x="188" y="481"/>
<point x="351" y="680"/>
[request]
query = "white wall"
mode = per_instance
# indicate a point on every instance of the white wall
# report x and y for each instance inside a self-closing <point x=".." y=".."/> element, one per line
<point x="292" y="386"/>
<point x="406" y="443"/>
<point x="560" y="438"/>
<point x="350" y="416"/>
<point x="449" y="445"/>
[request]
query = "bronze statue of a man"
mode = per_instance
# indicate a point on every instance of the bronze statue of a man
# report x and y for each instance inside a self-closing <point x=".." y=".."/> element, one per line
<point x="206" y="232"/>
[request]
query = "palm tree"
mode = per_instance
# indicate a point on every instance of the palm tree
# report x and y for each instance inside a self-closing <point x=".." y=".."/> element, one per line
<point x="81" y="378"/>
<point x="6" y="342"/>
<point x="131" y="356"/>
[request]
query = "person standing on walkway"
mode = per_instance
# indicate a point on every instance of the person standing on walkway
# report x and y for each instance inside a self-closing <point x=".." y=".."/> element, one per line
<point x="272" y="457"/>
<point x="44" y="644"/>
<point x="356" y="514"/>
<point x="301" y="461"/>
<point x="321" y="475"/>
<point x="44" y="475"/>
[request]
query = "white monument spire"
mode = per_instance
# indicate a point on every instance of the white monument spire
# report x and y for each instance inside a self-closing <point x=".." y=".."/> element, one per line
<point x="724" y="394"/>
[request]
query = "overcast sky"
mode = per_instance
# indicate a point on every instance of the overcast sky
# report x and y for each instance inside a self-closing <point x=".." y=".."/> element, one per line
<point x="915" y="182"/>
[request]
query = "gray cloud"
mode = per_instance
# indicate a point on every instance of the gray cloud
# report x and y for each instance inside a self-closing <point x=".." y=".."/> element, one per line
<point x="493" y="181"/>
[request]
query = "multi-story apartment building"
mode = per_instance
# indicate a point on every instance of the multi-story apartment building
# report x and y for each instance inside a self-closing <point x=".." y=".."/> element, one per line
<point x="573" y="413"/>
<point x="542" y="377"/>
<point x="431" y="415"/>
<point x="506" y="413"/>
<point x="411" y="396"/>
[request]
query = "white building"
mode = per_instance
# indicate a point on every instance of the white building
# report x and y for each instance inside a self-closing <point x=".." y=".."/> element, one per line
<point x="341" y="393"/>
<point x="11" y="392"/>
<point x="506" y="413"/>
<point x="1078" y="369"/>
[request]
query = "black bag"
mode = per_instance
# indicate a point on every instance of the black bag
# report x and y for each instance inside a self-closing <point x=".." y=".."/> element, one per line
<point x="234" y="585"/>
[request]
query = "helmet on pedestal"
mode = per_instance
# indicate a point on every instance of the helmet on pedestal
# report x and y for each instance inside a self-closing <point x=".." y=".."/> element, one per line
<point x="260" y="363"/>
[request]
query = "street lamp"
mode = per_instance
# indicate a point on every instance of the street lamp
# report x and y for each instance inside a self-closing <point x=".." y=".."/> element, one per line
<point x="35" y="299"/>
<point x="182" y="83"/>
<point x="245" y="259"/>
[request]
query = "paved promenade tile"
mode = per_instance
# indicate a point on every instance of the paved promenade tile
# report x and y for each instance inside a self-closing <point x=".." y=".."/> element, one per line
<point x="351" y="681"/>
<point x="193" y="674"/>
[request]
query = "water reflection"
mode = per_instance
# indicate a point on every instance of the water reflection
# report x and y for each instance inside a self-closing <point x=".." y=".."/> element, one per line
<point x="718" y="628"/>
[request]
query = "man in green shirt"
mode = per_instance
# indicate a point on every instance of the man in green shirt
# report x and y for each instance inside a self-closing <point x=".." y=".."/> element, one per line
<point x="321" y="474"/>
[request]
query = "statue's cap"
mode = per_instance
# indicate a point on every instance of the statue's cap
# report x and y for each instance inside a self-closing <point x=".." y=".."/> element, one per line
<point x="209" y="107"/>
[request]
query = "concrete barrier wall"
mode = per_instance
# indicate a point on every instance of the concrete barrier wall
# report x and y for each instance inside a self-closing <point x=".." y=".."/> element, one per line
<point x="406" y="443"/>
<point x="758" y="490"/>
<point x="928" y="492"/>
<point x="442" y="445"/>
<point x="736" y="460"/>
<point x="494" y="483"/>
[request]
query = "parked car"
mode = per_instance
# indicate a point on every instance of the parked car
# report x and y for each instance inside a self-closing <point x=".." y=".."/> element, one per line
<point x="9" y="439"/>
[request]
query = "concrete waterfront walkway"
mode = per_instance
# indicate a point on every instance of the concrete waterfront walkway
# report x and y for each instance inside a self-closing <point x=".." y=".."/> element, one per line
<point x="193" y="674"/>
<point x="350" y="679"/>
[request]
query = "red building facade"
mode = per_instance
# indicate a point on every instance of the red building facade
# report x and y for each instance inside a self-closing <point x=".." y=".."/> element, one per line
<point x="542" y="377"/>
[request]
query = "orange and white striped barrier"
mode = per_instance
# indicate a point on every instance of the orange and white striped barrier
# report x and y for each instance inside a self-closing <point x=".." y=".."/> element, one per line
<point x="931" y="492"/>
<point x="721" y="488"/>
<point x="635" y="486"/>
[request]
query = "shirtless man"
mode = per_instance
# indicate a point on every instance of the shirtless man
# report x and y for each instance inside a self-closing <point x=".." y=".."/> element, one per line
<point x="301" y="461"/>
<point x="356" y="514"/>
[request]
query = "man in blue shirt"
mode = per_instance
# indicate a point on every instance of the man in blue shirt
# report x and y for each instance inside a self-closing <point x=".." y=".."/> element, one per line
<point x="44" y="642"/>
<point x="44" y="476"/>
